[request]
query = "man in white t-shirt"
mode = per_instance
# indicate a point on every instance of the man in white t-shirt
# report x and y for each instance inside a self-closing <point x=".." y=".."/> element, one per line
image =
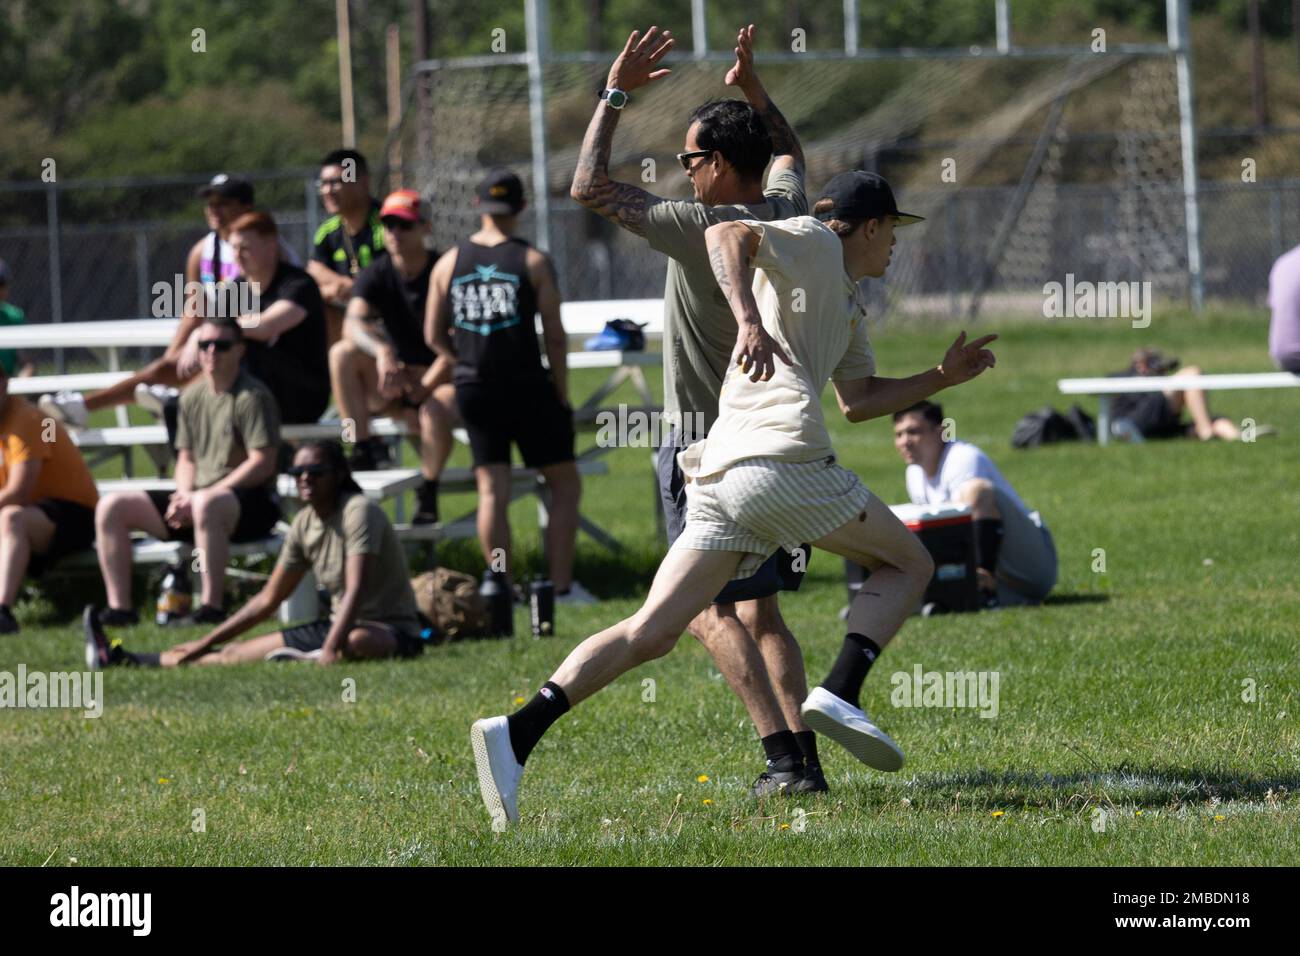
<point x="1015" y="558"/>
<point x="766" y="476"/>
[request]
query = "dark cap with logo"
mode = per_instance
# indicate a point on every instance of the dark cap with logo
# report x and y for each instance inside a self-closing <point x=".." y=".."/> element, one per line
<point x="859" y="196"/>
<point x="227" y="187"/>
<point x="500" y="194"/>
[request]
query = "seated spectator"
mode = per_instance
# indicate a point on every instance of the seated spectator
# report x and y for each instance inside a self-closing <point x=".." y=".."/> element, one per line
<point x="1284" y="300"/>
<point x="211" y="267"/>
<point x="227" y="441"/>
<point x="350" y="239"/>
<point x="1015" y="557"/>
<point x="1159" y="414"/>
<point x="286" y="335"/>
<point x="382" y="364"/>
<point x="47" y="497"/>
<point x="350" y="546"/>
<point x="484" y="297"/>
<point x="10" y="314"/>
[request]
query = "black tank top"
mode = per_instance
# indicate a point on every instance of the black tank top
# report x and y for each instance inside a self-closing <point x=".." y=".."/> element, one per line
<point x="493" y="310"/>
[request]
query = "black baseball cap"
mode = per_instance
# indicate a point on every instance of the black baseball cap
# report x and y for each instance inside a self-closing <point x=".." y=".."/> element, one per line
<point x="500" y="194"/>
<point x="859" y="196"/>
<point x="241" y="190"/>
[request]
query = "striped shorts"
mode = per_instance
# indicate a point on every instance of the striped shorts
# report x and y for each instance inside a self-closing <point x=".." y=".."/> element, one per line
<point x="761" y="504"/>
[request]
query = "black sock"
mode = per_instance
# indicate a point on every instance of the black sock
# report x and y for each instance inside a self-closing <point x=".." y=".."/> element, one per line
<point x="529" y="722"/>
<point x="857" y="655"/>
<point x="988" y="543"/>
<point x="782" y="752"/>
<point x="143" y="660"/>
<point x="807" y="741"/>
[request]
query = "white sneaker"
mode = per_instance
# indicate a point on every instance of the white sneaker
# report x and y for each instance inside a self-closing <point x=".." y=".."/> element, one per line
<point x="65" y="406"/>
<point x="498" y="771"/>
<point x="153" y="398"/>
<point x="292" y="654"/>
<point x="577" y="595"/>
<point x="851" y="728"/>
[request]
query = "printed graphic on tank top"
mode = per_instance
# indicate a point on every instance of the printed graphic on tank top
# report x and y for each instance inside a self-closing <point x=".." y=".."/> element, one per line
<point x="494" y="309"/>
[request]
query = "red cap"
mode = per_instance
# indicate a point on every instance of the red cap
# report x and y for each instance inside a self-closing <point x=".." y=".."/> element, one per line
<point x="402" y="204"/>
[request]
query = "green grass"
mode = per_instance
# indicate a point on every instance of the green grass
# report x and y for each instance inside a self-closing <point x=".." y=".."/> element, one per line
<point x="1122" y="693"/>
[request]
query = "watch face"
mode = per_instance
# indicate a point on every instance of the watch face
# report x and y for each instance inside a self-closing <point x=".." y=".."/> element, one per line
<point x="617" y="99"/>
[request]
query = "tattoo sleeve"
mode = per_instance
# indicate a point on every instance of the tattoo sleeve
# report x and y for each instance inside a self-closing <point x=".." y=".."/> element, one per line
<point x="621" y="203"/>
<point x="719" y="265"/>
<point x="784" y="141"/>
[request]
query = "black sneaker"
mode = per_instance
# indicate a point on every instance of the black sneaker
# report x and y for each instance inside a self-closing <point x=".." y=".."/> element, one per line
<point x="99" y="652"/>
<point x="811" y="781"/>
<point x="778" y="781"/>
<point x="8" y="623"/>
<point x="426" y="497"/>
<point x="369" y="455"/>
<point x="203" y="614"/>
<point x="113" y="617"/>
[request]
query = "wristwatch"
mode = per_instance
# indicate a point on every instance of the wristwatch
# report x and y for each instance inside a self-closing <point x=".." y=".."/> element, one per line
<point x="617" y="99"/>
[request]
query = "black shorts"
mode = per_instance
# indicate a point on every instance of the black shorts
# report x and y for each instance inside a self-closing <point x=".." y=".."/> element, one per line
<point x="777" y="573"/>
<point x="74" y="530"/>
<point x="311" y="637"/>
<point x="259" y="510"/>
<point x="1152" y="415"/>
<point x="530" y="416"/>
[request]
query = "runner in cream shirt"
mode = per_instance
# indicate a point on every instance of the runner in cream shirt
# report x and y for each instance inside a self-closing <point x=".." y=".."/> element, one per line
<point x="766" y="475"/>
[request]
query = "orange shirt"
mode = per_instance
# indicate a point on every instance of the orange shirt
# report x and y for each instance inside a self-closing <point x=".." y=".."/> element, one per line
<point x="27" y="435"/>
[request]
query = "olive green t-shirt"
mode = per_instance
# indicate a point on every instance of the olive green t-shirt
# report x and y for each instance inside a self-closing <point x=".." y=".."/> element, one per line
<point x="699" y="329"/>
<point x="218" y="429"/>
<point x="357" y="526"/>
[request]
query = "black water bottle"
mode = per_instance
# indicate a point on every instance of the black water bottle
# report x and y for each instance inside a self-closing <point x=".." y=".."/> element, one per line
<point x="542" y="604"/>
<point x="495" y="591"/>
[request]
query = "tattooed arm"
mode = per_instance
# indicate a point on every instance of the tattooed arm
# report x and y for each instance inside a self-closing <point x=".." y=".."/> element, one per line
<point x="731" y="250"/>
<point x="621" y="203"/>
<point x="786" y="151"/>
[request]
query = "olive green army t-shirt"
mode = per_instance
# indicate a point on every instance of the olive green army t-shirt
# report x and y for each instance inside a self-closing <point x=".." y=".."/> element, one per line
<point x="699" y="329"/>
<point x="357" y="526"/>
<point x="219" y="428"/>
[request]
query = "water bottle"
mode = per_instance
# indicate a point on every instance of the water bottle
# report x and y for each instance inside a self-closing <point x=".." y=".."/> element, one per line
<point x="542" y="604"/>
<point x="495" y="591"/>
<point x="174" y="599"/>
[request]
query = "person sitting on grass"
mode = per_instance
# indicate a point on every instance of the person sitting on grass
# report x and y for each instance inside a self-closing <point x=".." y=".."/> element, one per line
<point x="227" y="441"/>
<point x="47" y="497"/>
<point x="1015" y="558"/>
<point x="347" y="542"/>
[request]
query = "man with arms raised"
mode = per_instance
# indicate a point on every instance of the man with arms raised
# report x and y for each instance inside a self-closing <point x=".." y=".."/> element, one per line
<point x="727" y="148"/>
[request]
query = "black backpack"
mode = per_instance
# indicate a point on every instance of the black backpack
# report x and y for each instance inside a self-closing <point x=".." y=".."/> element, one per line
<point x="1047" y="425"/>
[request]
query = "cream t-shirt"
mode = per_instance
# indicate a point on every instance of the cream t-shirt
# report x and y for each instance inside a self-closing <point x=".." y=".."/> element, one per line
<point x="816" y="313"/>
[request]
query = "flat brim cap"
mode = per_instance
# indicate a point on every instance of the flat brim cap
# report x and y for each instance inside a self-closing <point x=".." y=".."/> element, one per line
<point x="858" y="196"/>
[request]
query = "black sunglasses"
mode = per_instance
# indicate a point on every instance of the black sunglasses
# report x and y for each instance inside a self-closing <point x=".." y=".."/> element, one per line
<point x="311" y="471"/>
<point x="216" y="345"/>
<point x="398" y="225"/>
<point x="685" y="158"/>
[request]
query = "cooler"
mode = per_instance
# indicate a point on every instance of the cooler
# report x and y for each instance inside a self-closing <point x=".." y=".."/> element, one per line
<point x="947" y="533"/>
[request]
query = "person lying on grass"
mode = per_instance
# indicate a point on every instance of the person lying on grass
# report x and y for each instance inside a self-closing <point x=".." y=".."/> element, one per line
<point x="350" y="546"/>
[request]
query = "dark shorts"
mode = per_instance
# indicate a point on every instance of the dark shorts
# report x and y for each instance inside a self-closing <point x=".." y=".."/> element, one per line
<point x="777" y="573"/>
<point x="311" y="637"/>
<point x="74" y="530"/>
<point x="258" y="513"/>
<point x="530" y="416"/>
<point x="1152" y="415"/>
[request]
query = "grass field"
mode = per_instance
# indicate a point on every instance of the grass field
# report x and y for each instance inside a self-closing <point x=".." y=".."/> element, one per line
<point x="1124" y="692"/>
